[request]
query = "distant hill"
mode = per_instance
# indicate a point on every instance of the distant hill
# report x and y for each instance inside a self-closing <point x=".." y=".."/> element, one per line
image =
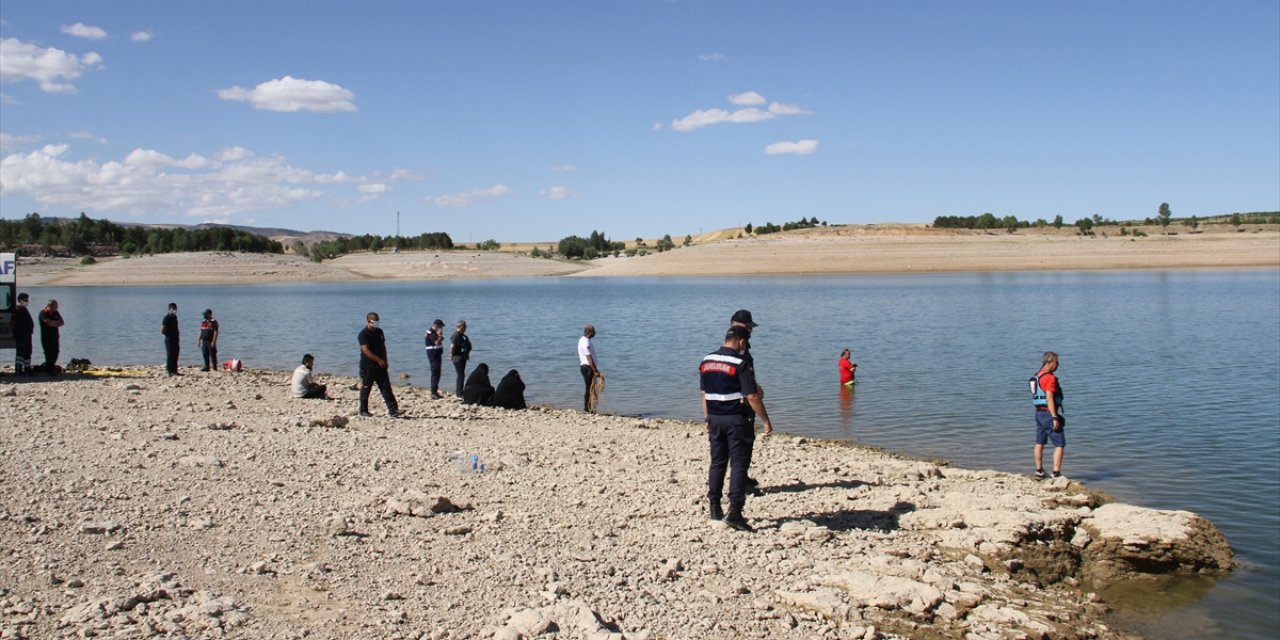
<point x="285" y="237"/>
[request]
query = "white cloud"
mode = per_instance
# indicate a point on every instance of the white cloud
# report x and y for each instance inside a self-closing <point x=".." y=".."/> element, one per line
<point x="340" y="177"/>
<point x="85" y="135"/>
<point x="706" y="117"/>
<point x="564" y="168"/>
<point x="151" y="159"/>
<point x="293" y="94"/>
<point x="780" y="109"/>
<point x="9" y="142"/>
<point x="400" y="175"/>
<point x="471" y="197"/>
<point x="799" y="148"/>
<point x="52" y="68"/>
<point x="713" y="57"/>
<point x="8" y="100"/>
<point x="556" y="193"/>
<point x="234" y="182"/>
<point x="82" y="30"/>
<point x="140" y="36"/>
<point x="374" y="187"/>
<point x="746" y="99"/>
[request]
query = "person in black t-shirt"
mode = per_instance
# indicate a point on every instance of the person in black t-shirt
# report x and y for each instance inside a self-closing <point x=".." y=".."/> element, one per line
<point x="23" y="328"/>
<point x="169" y="328"/>
<point x="50" y="322"/>
<point x="373" y="367"/>
<point x="459" y="351"/>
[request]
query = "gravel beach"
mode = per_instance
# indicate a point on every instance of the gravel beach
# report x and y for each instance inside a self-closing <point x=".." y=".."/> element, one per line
<point x="216" y="505"/>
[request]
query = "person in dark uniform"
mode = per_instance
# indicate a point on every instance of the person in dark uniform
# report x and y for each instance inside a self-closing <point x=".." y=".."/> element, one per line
<point x="435" y="353"/>
<point x="742" y="318"/>
<point x="169" y="328"/>
<point x="459" y="351"/>
<point x="728" y="384"/>
<point x="23" y="327"/>
<point x="373" y="367"/>
<point x="50" y="322"/>
<point x="207" y="341"/>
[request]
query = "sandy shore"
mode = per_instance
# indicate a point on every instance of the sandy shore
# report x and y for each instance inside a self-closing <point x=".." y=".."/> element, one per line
<point x="215" y="505"/>
<point x="834" y="250"/>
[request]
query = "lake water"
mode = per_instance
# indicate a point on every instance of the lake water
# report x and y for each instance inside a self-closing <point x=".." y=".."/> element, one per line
<point x="1172" y="379"/>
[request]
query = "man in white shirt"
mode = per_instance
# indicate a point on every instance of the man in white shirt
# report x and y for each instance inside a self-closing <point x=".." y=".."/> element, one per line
<point x="303" y="385"/>
<point x="588" y="366"/>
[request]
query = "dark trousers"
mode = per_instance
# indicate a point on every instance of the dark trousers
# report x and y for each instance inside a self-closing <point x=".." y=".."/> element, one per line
<point x="460" y="366"/>
<point x="731" y="439"/>
<point x="588" y="374"/>
<point x="376" y="375"/>
<point x="171" y="348"/>
<point x="50" y="353"/>
<point x="433" y="359"/>
<point x="318" y="391"/>
<point x="22" y="360"/>
<point x="210" y="354"/>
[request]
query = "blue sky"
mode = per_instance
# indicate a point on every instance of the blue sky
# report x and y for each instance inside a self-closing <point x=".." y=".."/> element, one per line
<point x="536" y="120"/>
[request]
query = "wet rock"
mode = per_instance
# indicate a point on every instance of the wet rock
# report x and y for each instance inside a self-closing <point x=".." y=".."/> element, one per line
<point x="1127" y="539"/>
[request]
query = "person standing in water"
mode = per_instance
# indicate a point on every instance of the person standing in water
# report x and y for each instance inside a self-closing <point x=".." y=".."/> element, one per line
<point x="848" y="369"/>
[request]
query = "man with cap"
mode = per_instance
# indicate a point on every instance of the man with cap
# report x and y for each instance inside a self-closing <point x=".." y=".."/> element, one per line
<point x="207" y="341"/>
<point x="728" y="386"/>
<point x="435" y="353"/>
<point x="742" y="318"/>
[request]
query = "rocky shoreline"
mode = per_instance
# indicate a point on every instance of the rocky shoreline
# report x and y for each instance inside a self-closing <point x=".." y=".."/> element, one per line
<point x="216" y="505"/>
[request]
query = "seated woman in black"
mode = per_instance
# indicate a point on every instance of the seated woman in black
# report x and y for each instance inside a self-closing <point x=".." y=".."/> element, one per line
<point x="478" y="390"/>
<point x="510" y="393"/>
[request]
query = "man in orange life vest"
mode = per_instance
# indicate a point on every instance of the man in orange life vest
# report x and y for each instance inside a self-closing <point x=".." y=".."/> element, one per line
<point x="728" y="388"/>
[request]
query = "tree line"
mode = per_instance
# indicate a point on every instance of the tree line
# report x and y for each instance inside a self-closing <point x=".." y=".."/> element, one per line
<point x="85" y="236"/>
<point x="769" y="227"/>
<point x="329" y="249"/>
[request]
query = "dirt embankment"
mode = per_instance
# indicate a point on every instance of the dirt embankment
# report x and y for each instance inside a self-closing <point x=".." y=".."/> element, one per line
<point x="824" y="250"/>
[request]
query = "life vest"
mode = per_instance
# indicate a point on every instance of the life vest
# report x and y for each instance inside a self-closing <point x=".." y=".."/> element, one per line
<point x="720" y="383"/>
<point x="1038" y="396"/>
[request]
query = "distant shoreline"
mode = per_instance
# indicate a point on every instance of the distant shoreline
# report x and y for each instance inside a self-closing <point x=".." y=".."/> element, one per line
<point x="866" y="250"/>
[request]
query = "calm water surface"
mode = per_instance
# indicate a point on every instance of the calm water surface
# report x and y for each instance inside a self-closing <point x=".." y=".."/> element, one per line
<point x="1172" y="379"/>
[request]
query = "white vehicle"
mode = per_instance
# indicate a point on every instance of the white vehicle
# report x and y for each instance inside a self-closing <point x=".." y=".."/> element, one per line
<point x="8" y="298"/>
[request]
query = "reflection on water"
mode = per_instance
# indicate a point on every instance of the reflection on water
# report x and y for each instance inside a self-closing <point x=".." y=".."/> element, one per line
<point x="1163" y="607"/>
<point x="846" y="410"/>
<point x="1173" y="378"/>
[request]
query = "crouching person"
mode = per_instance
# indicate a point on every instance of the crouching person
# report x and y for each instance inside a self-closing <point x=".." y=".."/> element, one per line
<point x="303" y="385"/>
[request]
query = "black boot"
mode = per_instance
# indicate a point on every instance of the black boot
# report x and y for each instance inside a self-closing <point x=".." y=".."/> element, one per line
<point x="735" y="520"/>
<point x="716" y="512"/>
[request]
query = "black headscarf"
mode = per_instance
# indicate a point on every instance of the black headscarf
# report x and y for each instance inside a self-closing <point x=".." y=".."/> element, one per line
<point x="478" y="390"/>
<point x="510" y="391"/>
